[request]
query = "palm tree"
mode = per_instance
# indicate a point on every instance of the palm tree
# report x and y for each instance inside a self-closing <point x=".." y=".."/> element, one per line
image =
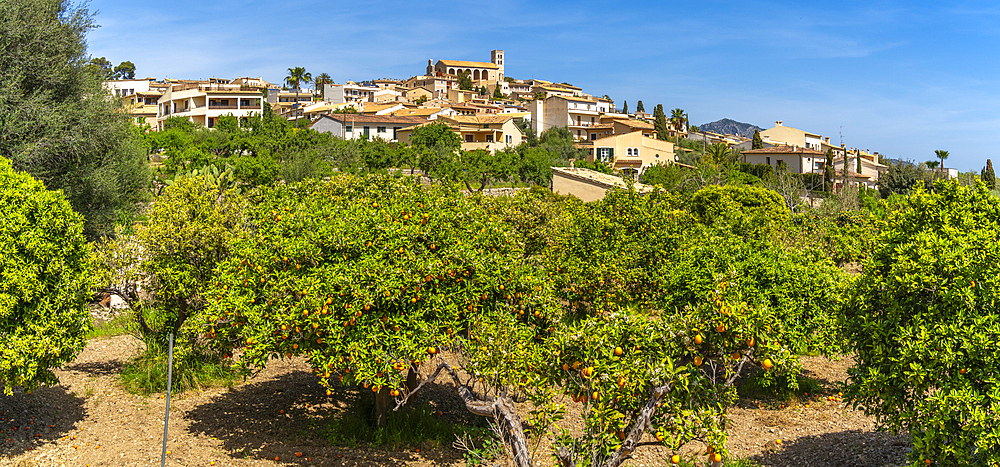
<point x="719" y="153"/>
<point x="677" y="119"/>
<point x="941" y="154"/>
<point x="297" y="76"/>
<point x="321" y="80"/>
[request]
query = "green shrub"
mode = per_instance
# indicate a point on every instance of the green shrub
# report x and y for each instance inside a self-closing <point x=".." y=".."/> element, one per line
<point x="44" y="281"/>
<point x="744" y="207"/>
<point x="924" y="324"/>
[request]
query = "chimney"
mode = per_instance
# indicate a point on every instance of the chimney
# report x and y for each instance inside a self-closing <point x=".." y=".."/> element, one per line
<point x="827" y="140"/>
<point x="777" y="123"/>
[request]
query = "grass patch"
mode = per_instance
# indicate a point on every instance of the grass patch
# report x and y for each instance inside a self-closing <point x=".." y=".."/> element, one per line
<point x="147" y="373"/>
<point x="753" y="387"/>
<point x="410" y="426"/>
<point x="116" y="326"/>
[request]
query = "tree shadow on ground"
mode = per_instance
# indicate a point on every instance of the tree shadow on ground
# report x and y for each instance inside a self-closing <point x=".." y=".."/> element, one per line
<point x="95" y="369"/>
<point x="852" y="448"/>
<point x="292" y="413"/>
<point x="27" y="421"/>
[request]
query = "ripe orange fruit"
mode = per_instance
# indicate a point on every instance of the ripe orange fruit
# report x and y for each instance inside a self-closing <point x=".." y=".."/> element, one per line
<point x="431" y="350"/>
<point x="716" y="457"/>
<point x="767" y="363"/>
<point x="675" y="459"/>
<point x="565" y="367"/>
<point x="618" y="351"/>
<point x="298" y="454"/>
<point x="697" y="360"/>
<point x="595" y="396"/>
<point x="750" y="342"/>
<point x="962" y="371"/>
<point x="720" y="328"/>
<point x="659" y="436"/>
<point x="698" y="339"/>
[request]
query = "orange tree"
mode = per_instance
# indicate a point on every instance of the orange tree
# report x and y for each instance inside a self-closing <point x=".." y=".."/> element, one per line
<point x="650" y="252"/>
<point x="924" y="324"/>
<point x="370" y="277"/>
<point x="614" y="252"/>
<point x="670" y="375"/>
<point x="44" y="281"/>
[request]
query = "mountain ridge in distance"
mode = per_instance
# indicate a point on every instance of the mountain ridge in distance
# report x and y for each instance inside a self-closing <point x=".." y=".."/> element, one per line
<point x="728" y="126"/>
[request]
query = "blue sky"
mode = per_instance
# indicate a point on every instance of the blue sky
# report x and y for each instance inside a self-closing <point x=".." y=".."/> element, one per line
<point x="902" y="78"/>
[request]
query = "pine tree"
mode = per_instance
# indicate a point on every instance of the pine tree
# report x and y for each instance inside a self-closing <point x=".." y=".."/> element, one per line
<point x="660" y="123"/>
<point x="638" y="107"/>
<point x="759" y="143"/>
<point x="989" y="178"/>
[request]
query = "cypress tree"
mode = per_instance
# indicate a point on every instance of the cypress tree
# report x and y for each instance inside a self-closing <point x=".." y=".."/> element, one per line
<point x="989" y="178"/>
<point x="660" y="123"/>
<point x="625" y="107"/>
<point x="638" y="107"/>
<point x="828" y="172"/>
<point x="759" y="143"/>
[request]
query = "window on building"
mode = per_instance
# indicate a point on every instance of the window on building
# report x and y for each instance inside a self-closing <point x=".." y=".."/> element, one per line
<point x="767" y="160"/>
<point x="366" y="131"/>
<point x="349" y="128"/>
<point x="593" y="136"/>
<point x="489" y="138"/>
<point x="605" y="154"/>
<point x="635" y="152"/>
<point x="509" y="139"/>
<point x="380" y="129"/>
<point x="628" y="151"/>
<point x="395" y="132"/>
<point x="470" y="138"/>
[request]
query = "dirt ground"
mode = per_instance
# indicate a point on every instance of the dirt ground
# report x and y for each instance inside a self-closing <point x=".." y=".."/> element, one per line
<point x="89" y="420"/>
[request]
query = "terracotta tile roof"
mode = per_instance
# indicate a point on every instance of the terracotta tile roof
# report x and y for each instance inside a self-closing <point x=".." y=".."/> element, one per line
<point x="359" y="118"/>
<point x="784" y="149"/>
<point x="462" y="63"/>
<point x="635" y="124"/>
<point x="479" y="119"/>
<point x="417" y="112"/>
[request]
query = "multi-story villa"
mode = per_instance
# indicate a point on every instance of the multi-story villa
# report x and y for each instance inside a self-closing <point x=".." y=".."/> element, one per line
<point x="203" y="102"/>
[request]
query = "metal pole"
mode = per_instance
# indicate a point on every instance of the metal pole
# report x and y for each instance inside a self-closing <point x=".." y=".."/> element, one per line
<point x="166" y="417"/>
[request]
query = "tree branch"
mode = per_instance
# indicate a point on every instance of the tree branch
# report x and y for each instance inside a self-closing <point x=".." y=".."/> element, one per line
<point x="501" y="409"/>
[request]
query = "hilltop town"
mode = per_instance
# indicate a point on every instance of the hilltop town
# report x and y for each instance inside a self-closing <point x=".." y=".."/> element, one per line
<point x="488" y="110"/>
